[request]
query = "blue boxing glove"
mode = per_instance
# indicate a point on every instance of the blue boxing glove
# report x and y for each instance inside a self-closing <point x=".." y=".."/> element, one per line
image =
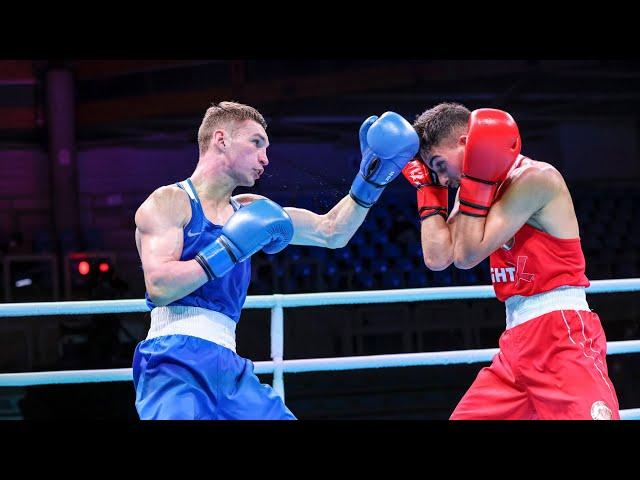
<point x="387" y="144"/>
<point x="262" y="224"/>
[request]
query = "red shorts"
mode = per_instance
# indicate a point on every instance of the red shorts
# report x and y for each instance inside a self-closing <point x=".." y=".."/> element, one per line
<point x="551" y="367"/>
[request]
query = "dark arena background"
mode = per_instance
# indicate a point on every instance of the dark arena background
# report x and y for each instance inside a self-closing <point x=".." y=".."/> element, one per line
<point x="84" y="143"/>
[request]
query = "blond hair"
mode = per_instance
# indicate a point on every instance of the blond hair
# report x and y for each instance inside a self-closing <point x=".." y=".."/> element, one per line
<point x="225" y="113"/>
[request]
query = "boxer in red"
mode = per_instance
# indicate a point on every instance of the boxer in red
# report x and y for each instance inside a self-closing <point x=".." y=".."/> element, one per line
<point x="518" y="211"/>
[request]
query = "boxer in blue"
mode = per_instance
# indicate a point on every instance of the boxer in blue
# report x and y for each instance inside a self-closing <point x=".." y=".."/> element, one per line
<point x="195" y="242"/>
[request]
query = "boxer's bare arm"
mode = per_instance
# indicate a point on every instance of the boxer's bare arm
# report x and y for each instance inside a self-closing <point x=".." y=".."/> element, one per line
<point x="476" y="238"/>
<point x="159" y="237"/>
<point x="437" y="238"/>
<point x="334" y="229"/>
<point x="437" y="244"/>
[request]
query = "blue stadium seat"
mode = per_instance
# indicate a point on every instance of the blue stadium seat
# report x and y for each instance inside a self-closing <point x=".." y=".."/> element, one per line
<point x="392" y="250"/>
<point x="417" y="279"/>
<point x="367" y="251"/>
<point x="392" y="279"/>
<point x="442" y="278"/>
<point x="379" y="265"/>
<point x="405" y="264"/>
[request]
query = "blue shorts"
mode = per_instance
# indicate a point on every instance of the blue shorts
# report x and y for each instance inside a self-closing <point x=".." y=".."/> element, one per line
<point x="180" y="377"/>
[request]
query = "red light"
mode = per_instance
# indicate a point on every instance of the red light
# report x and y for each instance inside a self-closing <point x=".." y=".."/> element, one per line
<point x="83" y="267"/>
<point x="103" y="267"/>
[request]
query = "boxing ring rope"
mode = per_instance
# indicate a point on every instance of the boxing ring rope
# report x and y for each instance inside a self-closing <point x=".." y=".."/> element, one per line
<point x="277" y="302"/>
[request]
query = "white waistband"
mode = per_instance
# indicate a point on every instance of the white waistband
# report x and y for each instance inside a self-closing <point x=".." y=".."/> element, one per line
<point x="194" y="321"/>
<point x="521" y="309"/>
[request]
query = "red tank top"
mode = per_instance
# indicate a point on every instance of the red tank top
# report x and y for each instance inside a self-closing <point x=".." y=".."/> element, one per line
<point x="534" y="262"/>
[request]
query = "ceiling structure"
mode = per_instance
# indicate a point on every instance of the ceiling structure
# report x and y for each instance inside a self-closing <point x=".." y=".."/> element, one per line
<point x="130" y="101"/>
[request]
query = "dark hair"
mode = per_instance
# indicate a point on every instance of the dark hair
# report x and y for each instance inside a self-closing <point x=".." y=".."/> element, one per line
<point x="439" y="122"/>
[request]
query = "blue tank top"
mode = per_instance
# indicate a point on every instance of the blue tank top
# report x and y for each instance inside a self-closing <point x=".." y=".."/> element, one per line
<point x="225" y="294"/>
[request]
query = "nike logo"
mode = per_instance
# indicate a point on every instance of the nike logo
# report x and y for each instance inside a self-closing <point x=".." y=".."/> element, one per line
<point x="192" y="234"/>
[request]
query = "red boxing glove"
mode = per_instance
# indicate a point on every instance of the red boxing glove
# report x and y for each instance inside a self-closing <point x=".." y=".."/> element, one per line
<point x="493" y="144"/>
<point x="433" y="198"/>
